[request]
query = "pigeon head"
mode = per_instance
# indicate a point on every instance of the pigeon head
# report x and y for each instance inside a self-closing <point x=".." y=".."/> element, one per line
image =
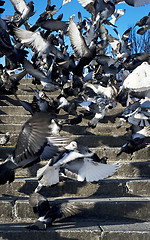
<point x="72" y="146"/>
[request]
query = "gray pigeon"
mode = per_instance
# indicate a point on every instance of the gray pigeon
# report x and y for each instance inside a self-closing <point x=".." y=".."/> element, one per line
<point x="49" y="211"/>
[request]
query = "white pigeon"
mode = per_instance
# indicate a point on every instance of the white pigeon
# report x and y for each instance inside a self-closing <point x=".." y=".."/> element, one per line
<point x="75" y="161"/>
<point x="138" y="80"/>
<point x="100" y="90"/>
<point x="137" y="84"/>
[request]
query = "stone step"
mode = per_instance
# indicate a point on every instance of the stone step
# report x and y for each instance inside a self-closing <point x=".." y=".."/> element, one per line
<point x="14" y="208"/>
<point x="11" y="99"/>
<point x="115" y="112"/>
<point x="110" y="152"/>
<point x="101" y="129"/>
<point x="25" y="90"/>
<point x="82" y="229"/>
<point x="87" y="140"/>
<point x="137" y="168"/>
<point x="68" y="188"/>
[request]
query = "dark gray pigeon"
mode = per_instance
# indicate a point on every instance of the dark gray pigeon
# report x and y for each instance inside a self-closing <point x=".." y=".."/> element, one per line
<point x="49" y="211"/>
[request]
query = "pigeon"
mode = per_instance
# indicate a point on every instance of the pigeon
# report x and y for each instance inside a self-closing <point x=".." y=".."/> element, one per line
<point x="144" y="24"/>
<point x="49" y="174"/>
<point x="97" y="117"/>
<point x="1" y="4"/>
<point x="31" y="142"/>
<point x="14" y="54"/>
<point x="141" y="114"/>
<point x="49" y="211"/>
<point x="44" y="21"/>
<point x="10" y="80"/>
<point x="23" y="11"/>
<point x="116" y="15"/>
<point x="68" y="106"/>
<point x="107" y="92"/>
<point x="44" y="79"/>
<point x="84" y="52"/>
<point x="137" y="141"/>
<point x="38" y="44"/>
<point x="137" y="84"/>
<point x="75" y="160"/>
<point x="99" y="9"/>
<point x="120" y="47"/>
<point x="5" y="139"/>
<point x="135" y="60"/>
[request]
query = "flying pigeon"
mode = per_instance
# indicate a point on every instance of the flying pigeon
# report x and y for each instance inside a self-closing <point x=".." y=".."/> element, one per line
<point x="84" y="52"/>
<point x="49" y="211"/>
<point x="79" y="161"/>
<point x="137" y="84"/>
<point x="31" y="142"/>
<point x="100" y="9"/>
<point x="14" y="54"/>
<point x="137" y="141"/>
<point x="144" y="24"/>
<point x="23" y="11"/>
<point x="1" y="4"/>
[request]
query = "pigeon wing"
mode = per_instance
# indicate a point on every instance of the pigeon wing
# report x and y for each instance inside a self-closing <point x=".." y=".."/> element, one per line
<point x="94" y="171"/>
<point x="53" y="25"/>
<point x="30" y="39"/>
<point x="76" y="39"/>
<point x="88" y="5"/>
<point x="32" y="137"/>
<point x="19" y="5"/>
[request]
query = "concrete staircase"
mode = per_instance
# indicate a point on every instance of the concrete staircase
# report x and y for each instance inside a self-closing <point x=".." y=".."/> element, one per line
<point x="112" y="209"/>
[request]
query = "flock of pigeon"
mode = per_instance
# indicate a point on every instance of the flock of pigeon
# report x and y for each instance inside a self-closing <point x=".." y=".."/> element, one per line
<point x="91" y="78"/>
